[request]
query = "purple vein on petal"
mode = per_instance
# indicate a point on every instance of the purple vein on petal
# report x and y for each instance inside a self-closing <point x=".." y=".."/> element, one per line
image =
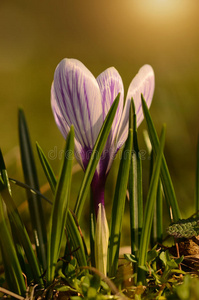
<point x="77" y="107"/>
<point x="110" y="84"/>
<point x="80" y="119"/>
<point x="62" y="93"/>
<point x="89" y="116"/>
<point x="90" y="108"/>
<point x="64" y="128"/>
<point x="78" y="95"/>
<point x="65" y="103"/>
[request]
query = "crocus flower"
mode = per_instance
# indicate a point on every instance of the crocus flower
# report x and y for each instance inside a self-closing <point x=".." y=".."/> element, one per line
<point x="78" y="98"/>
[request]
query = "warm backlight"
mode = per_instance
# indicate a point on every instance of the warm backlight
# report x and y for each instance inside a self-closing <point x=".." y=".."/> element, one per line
<point x="162" y="8"/>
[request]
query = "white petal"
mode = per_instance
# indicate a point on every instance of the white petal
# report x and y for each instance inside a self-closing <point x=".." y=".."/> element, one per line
<point x="110" y="84"/>
<point x="143" y="83"/>
<point x="59" y="118"/>
<point x="64" y="128"/>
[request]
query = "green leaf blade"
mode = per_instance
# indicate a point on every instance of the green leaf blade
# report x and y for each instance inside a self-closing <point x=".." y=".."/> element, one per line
<point x="34" y="200"/>
<point x="149" y="209"/>
<point x="17" y="225"/>
<point x="118" y="205"/>
<point x="60" y="207"/>
<point x="11" y="263"/>
<point x="76" y="241"/>
<point x="135" y="189"/>
<point x="47" y="168"/>
<point x="197" y="180"/>
<point x="72" y="228"/>
<point x="165" y="176"/>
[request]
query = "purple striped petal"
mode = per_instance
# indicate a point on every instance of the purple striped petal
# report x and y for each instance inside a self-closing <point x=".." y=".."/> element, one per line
<point x="64" y="128"/>
<point x="76" y="99"/>
<point x="143" y="83"/>
<point x="110" y="84"/>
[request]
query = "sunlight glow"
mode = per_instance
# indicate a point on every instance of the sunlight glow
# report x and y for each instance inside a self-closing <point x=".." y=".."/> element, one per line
<point x="162" y="8"/>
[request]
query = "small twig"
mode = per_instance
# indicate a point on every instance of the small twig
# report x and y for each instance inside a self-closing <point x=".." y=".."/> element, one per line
<point x="4" y="291"/>
<point x="32" y="292"/>
<point x="25" y="279"/>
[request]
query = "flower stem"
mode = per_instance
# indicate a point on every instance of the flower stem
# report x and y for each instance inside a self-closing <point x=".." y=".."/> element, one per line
<point x="98" y="189"/>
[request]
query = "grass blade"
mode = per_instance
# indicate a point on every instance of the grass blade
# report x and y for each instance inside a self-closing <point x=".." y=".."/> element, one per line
<point x="27" y="187"/>
<point x="78" y="247"/>
<point x="159" y="213"/>
<point x="47" y="168"/>
<point x="34" y="200"/>
<point x="135" y="190"/>
<point x="98" y="148"/>
<point x="92" y="230"/>
<point x="10" y="259"/>
<point x="197" y="180"/>
<point x="17" y="226"/>
<point x="72" y="228"/>
<point x="157" y="226"/>
<point x="149" y="210"/>
<point x="22" y="234"/>
<point x="60" y="208"/>
<point x="18" y="246"/>
<point x="118" y="206"/>
<point x="165" y="176"/>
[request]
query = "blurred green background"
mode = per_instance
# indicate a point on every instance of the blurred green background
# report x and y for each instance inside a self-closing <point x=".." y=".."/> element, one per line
<point x="36" y="35"/>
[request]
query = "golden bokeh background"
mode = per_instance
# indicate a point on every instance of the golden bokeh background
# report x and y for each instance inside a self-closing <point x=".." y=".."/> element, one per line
<point x="36" y="35"/>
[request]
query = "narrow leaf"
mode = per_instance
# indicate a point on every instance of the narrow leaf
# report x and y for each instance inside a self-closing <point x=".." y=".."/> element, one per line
<point x="60" y="208"/>
<point x="159" y="213"/>
<point x="77" y="246"/>
<point x="10" y="259"/>
<point x="157" y="229"/>
<point x="92" y="230"/>
<point x="18" y="228"/>
<point x="26" y="186"/>
<point x="22" y="235"/>
<point x="165" y="176"/>
<point x="34" y="200"/>
<point x="72" y="228"/>
<point x="118" y="205"/>
<point x="47" y="168"/>
<point x="135" y="190"/>
<point x="18" y="246"/>
<point x="2" y="185"/>
<point x="197" y="180"/>
<point x="149" y="209"/>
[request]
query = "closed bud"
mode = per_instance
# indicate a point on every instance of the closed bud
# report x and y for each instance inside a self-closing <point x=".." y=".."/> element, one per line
<point x="101" y="240"/>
